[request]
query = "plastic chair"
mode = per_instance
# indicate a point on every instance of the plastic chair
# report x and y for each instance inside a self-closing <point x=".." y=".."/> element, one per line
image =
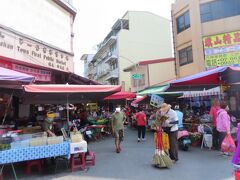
<point x="207" y="138"/>
<point x="90" y="158"/>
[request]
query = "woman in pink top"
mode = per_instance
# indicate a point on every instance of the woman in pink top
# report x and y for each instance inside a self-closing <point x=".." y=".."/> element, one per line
<point x="213" y="113"/>
<point x="223" y="122"/>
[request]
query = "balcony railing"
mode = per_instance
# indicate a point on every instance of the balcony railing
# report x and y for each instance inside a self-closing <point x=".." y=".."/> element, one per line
<point x="113" y="74"/>
<point x="111" y="57"/>
<point x="104" y="46"/>
<point x="104" y="72"/>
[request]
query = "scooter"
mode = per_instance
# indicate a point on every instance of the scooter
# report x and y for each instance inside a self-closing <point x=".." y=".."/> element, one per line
<point x="183" y="139"/>
<point x="85" y="130"/>
<point x="87" y="133"/>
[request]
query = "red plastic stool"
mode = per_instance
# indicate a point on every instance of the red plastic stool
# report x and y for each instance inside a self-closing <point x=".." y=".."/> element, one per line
<point x="91" y="158"/>
<point x="237" y="175"/>
<point x="30" y="164"/>
<point x="77" y="161"/>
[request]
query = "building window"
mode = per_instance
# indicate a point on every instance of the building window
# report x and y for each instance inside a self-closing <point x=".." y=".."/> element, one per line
<point x="183" y="22"/>
<point x="219" y="9"/>
<point x="114" y="65"/>
<point x="185" y="56"/>
<point x="114" y="81"/>
<point x="139" y="82"/>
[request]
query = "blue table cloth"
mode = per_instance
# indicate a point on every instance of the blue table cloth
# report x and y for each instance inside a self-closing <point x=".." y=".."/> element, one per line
<point x="31" y="153"/>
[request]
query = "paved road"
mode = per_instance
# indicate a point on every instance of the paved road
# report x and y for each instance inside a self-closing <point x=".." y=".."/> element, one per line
<point x="134" y="162"/>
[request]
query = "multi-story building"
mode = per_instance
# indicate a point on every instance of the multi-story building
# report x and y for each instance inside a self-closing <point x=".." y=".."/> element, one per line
<point x="88" y="66"/>
<point x="138" y="35"/>
<point x="206" y="34"/>
<point x="148" y="73"/>
<point x="36" y="37"/>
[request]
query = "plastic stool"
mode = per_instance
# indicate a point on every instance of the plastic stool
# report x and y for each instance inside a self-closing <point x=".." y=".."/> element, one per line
<point x="30" y="164"/>
<point x="237" y="175"/>
<point x="77" y="161"/>
<point x="91" y="158"/>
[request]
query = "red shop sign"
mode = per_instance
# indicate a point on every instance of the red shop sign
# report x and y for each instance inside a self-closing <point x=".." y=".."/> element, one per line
<point x="39" y="74"/>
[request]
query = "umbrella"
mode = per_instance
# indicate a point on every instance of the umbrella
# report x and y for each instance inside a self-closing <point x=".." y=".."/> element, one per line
<point x="121" y="95"/>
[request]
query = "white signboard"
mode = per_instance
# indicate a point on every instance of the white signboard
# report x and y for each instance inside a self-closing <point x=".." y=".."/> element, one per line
<point x="22" y="49"/>
<point x="156" y="100"/>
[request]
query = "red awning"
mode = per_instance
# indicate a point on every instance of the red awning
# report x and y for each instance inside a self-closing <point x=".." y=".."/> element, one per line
<point x="139" y="100"/>
<point x="121" y="95"/>
<point x="57" y="94"/>
<point x="208" y="79"/>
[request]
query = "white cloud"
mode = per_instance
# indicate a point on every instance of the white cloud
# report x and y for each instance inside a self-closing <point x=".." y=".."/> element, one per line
<point x="95" y="18"/>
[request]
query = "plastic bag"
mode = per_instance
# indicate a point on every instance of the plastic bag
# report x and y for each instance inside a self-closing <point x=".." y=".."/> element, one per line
<point x="165" y="141"/>
<point x="228" y="144"/>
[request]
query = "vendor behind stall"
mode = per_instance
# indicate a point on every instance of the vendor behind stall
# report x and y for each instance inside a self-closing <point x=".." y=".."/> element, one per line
<point x="48" y="124"/>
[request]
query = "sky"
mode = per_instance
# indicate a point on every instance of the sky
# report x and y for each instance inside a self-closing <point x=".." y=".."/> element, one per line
<point x="95" y="18"/>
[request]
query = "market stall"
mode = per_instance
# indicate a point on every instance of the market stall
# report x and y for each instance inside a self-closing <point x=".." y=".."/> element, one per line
<point x="41" y="146"/>
<point x="196" y="115"/>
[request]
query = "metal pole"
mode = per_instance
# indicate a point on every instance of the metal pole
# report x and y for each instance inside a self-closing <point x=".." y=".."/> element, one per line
<point x="7" y="108"/>
<point x="68" y="116"/>
<point x="137" y="79"/>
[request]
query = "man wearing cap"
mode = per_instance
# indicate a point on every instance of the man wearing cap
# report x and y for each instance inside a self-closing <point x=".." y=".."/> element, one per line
<point x="118" y="118"/>
<point x="171" y="128"/>
<point x="48" y="124"/>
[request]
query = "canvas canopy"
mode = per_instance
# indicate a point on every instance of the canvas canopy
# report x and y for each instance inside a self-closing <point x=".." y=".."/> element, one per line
<point x="56" y="94"/>
<point x="8" y="77"/>
<point x="121" y="95"/>
<point x="153" y="90"/>
<point x="207" y="79"/>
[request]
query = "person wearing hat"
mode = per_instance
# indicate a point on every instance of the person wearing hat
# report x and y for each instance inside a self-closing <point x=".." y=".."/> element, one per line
<point x="48" y="124"/>
<point x="170" y="126"/>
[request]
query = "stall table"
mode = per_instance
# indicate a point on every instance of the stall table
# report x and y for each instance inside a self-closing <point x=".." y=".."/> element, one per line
<point x="32" y="153"/>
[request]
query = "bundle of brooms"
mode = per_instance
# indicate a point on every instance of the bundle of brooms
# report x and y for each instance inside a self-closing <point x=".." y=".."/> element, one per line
<point x="161" y="158"/>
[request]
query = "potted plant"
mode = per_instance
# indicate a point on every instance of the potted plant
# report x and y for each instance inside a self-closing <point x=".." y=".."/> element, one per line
<point x="195" y="138"/>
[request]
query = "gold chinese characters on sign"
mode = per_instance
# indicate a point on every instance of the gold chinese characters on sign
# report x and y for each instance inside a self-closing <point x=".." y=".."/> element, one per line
<point x="23" y="49"/>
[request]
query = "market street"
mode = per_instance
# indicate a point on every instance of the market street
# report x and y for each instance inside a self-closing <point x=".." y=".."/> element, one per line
<point x="134" y="162"/>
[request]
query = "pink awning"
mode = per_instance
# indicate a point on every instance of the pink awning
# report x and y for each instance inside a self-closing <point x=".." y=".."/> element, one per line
<point x="55" y="94"/>
<point x="121" y="95"/>
<point x="59" y="88"/>
<point x="139" y="100"/>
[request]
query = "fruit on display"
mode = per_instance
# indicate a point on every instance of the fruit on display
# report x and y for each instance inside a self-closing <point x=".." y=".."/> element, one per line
<point x="4" y="147"/>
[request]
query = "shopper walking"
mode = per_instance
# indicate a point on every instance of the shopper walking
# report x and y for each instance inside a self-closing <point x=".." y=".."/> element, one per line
<point x="118" y="118"/>
<point x="171" y="128"/>
<point x="213" y="113"/>
<point x="223" y="122"/>
<point x="141" y="119"/>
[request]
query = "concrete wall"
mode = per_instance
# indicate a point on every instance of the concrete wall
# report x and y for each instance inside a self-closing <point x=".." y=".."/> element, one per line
<point x="140" y="70"/>
<point x="190" y="37"/>
<point x="148" y="37"/>
<point x="193" y="35"/>
<point x="42" y="19"/>
<point x="161" y="72"/>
